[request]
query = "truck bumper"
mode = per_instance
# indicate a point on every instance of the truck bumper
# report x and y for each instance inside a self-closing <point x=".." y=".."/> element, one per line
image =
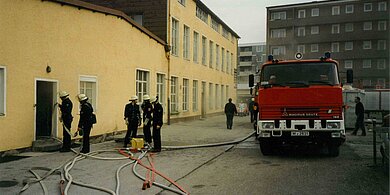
<point x="335" y="138"/>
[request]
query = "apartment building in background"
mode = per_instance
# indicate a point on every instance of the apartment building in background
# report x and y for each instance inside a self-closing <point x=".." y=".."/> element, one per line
<point x="356" y="32"/>
<point x="250" y="58"/>
<point x="203" y="52"/>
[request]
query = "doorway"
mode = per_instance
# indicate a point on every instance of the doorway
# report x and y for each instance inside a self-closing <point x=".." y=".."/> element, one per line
<point x="45" y="109"/>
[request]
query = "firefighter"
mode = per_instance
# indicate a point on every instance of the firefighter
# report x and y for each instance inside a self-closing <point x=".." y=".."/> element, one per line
<point x="230" y="111"/>
<point x="359" y="111"/>
<point x="132" y="119"/>
<point x="147" y="110"/>
<point x="157" y="123"/>
<point x="66" y="107"/>
<point x="251" y="109"/>
<point x="85" y="122"/>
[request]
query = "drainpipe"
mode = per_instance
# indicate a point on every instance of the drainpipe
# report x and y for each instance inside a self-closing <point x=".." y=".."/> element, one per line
<point x="168" y="56"/>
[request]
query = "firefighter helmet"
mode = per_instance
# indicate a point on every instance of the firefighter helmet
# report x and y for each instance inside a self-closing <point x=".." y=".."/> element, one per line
<point x="63" y="94"/>
<point x="134" y="97"/>
<point x="82" y="97"/>
<point x="146" y="97"/>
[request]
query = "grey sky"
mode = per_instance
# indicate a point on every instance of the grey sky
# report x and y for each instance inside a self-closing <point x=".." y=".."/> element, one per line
<point x="246" y="17"/>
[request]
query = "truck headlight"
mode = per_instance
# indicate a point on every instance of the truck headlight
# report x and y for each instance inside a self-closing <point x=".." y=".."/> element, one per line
<point x="333" y="125"/>
<point x="267" y="125"/>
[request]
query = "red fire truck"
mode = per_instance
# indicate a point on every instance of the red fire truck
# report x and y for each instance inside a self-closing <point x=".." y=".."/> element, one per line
<point x="300" y="102"/>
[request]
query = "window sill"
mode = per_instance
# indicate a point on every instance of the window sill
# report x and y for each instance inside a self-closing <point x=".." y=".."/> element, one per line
<point x="175" y="113"/>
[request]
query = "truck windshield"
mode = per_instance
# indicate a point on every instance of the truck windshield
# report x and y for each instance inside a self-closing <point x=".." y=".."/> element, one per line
<point x="299" y="74"/>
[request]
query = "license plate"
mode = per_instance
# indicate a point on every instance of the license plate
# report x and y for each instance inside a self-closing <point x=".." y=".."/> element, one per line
<point x="299" y="133"/>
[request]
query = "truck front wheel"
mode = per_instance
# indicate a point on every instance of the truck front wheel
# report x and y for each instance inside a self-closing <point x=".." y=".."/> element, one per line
<point x="266" y="147"/>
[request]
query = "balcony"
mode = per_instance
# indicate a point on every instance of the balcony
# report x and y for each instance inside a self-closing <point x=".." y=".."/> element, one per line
<point x="245" y="63"/>
<point x="245" y="53"/>
<point x="245" y="73"/>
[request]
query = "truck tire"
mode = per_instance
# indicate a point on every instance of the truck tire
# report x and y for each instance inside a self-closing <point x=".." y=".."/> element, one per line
<point x="334" y="150"/>
<point x="266" y="147"/>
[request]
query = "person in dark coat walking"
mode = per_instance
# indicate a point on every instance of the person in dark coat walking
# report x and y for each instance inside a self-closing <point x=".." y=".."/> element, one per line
<point x="359" y="111"/>
<point x="230" y="111"/>
<point x="251" y="109"/>
<point x="66" y="118"/>
<point x="158" y="113"/>
<point x="132" y="119"/>
<point x="147" y="110"/>
<point x="85" y="122"/>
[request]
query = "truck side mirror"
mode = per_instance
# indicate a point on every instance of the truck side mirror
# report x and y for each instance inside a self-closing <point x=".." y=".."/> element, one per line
<point x="349" y="76"/>
<point x="251" y="80"/>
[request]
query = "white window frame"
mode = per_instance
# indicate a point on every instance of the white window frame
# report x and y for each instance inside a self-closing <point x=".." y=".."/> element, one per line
<point x="367" y="7"/>
<point x="381" y="64"/>
<point x="195" y="91"/>
<point x="382" y="45"/>
<point x="349" y="9"/>
<point x="348" y="46"/>
<point x="217" y="103"/>
<point x="301" y="49"/>
<point x="217" y="57"/>
<point x="93" y="97"/>
<point x="382" y="6"/>
<point x="367" y="26"/>
<point x="335" y="28"/>
<point x="382" y="25"/>
<point x="160" y="87"/>
<point x="367" y="82"/>
<point x="186" y="93"/>
<point x="302" y="13"/>
<point x="278" y="50"/>
<point x="223" y="59"/>
<point x="367" y="63"/>
<point x="211" y="96"/>
<point x="211" y="56"/>
<point x="278" y="33"/>
<point x="314" y="48"/>
<point x="175" y="37"/>
<point x="3" y="91"/>
<point x="315" y="30"/>
<point x="315" y="12"/>
<point x="381" y="82"/>
<point x="142" y="80"/>
<point x="335" y="10"/>
<point x="335" y="47"/>
<point x="349" y="27"/>
<point x="278" y="16"/>
<point x="367" y="45"/>
<point x="348" y="64"/>
<point x="195" y="50"/>
<point x="174" y="94"/>
<point x="204" y="50"/>
<point x="301" y="31"/>
<point x="186" y="42"/>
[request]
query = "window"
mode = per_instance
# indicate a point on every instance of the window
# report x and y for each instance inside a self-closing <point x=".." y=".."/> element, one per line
<point x="175" y="37"/>
<point x="381" y="44"/>
<point x="335" y="47"/>
<point x="367" y="7"/>
<point x="217" y="105"/>
<point x="349" y="9"/>
<point x="381" y="64"/>
<point x="301" y="13"/>
<point x="201" y="15"/>
<point x="223" y="59"/>
<point x="380" y="82"/>
<point x="211" y="96"/>
<point x="204" y="50"/>
<point x="186" y="42"/>
<point x="231" y="63"/>
<point x="195" y="95"/>
<point x="366" y="82"/>
<point x="314" y="47"/>
<point x="174" y="94"/>
<point x="278" y="50"/>
<point x="227" y="92"/>
<point x="278" y="33"/>
<point x="185" y="94"/>
<point x="225" y="33"/>
<point x="367" y="63"/>
<point x="215" y="25"/>
<point x="349" y="27"/>
<point x="142" y="84"/>
<point x="382" y="6"/>
<point x="301" y="31"/>
<point x="138" y="18"/>
<point x="2" y="91"/>
<point x="335" y="28"/>
<point x="348" y="64"/>
<point x="161" y="87"/>
<point x="349" y="45"/>
<point x="278" y="16"/>
<point x="196" y="46"/>
<point x="228" y="62"/>
<point x="301" y="49"/>
<point x="222" y="100"/>
<point x="88" y="87"/>
<point x="367" y="26"/>
<point x="315" y="30"/>
<point x="217" y="57"/>
<point x="382" y="25"/>
<point x="211" y="45"/>
<point x="315" y="12"/>
<point x="366" y="44"/>
<point x="183" y="2"/>
<point x="336" y="10"/>
<point x="260" y="48"/>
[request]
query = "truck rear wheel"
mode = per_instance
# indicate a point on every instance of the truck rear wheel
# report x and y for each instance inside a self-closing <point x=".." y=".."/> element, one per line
<point x="266" y="147"/>
<point x="334" y="150"/>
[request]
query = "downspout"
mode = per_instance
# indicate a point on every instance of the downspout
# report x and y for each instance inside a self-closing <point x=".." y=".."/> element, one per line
<point x="168" y="56"/>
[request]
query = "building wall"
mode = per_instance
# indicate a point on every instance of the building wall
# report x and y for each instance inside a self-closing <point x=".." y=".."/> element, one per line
<point x="73" y="42"/>
<point x="292" y="23"/>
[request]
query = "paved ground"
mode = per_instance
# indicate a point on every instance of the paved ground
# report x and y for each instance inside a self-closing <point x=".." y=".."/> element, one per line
<point x="102" y="173"/>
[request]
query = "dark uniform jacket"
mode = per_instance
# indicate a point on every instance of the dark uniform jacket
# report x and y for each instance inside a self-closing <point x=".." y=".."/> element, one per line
<point x="359" y="111"/>
<point x="132" y="113"/>
<point x="66" y="110"/>
<point x="230" y="109"/>
<point x="147" y="109"/>
<point x="85" y="116"/>
<point x="158" y="114"/>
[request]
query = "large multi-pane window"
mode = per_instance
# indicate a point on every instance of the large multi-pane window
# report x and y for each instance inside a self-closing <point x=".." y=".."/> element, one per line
<point x="315" y="12"/>
<point x="201" y="15"/>
<point x="174" y="99"/>
<point x="217" y="57"/>
<point x="301" y="31"/>
<point x="211" y="51"/>
<point x="382" y="25"/>
<point x="381" y="44"/>
<point x="185" y="94"/>
<point x="349" y="45"/>
<point x="348" y="64"/>
<point x="382" y="6"/>
<point x="175" y="37"/>
<point x="211" y="96"/>
<point x="367" y="7"/>
<point x="232" y="63"/>
<point x="215" y="25"/>
<point x="142" y="84"/>
<point x="278" y="50"/>
<point x="301" y="13"/>
<point x="2" y="91"/>
<point x="161" y="87"/>
<point x="186" y="42"/>
<point x="367" y="26"/>
<point x="349" y="27"/>
<point x="336" y="10"/>
<point x="315" y="30"/>
<point x="335" y="28"/>
<point x="217" y="103"/>
<point x="222" y="101"/>
<point x="195" y="95"/>
<point x="88" y="87"/>
<point x="196" y="46"/>
<point x="367" y="63"/>
<point x="223" y="59"/>
<point x="204" y="50"/>
<point x="335" y="47"/>
<point x="278" y="16"/>
<point x="349" y="9"/>
<point x="228" y="65"/>
<point x="278" y="33"/>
